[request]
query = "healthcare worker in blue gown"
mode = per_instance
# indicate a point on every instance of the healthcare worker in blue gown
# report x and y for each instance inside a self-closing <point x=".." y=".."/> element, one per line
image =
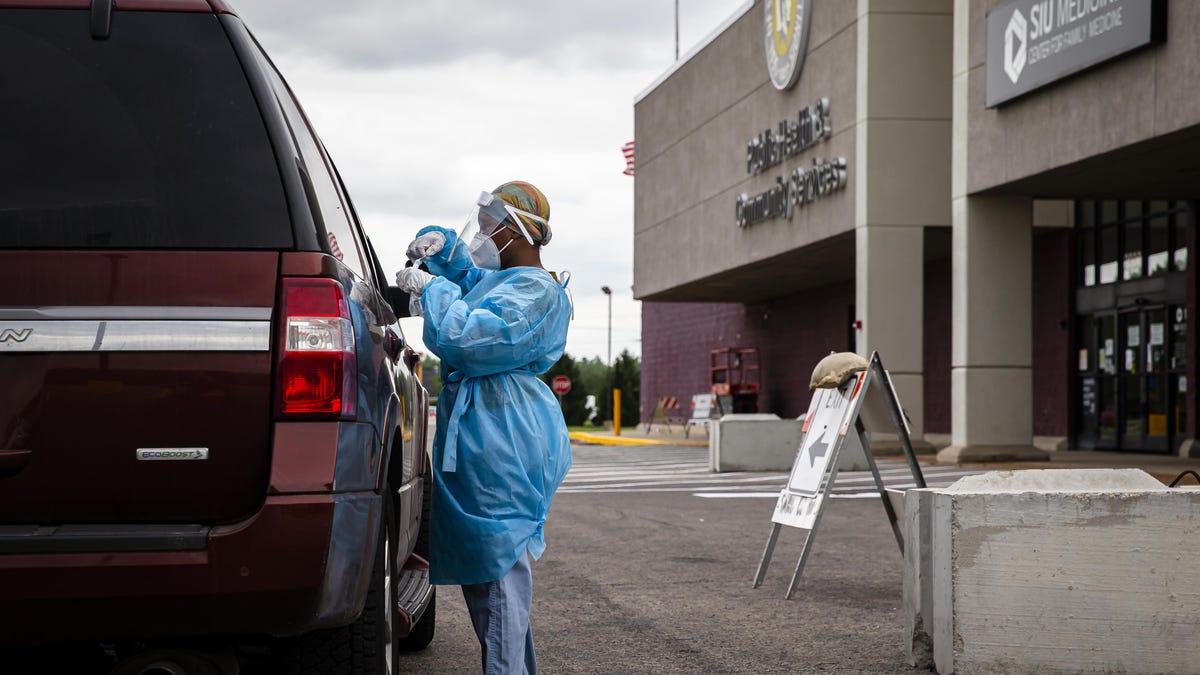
<point x="497" y="319"/>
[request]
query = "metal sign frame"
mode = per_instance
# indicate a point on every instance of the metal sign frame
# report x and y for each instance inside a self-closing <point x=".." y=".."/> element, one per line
<point x="869" y="394"/>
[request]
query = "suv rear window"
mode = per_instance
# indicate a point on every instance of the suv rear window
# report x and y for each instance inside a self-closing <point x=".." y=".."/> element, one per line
<point x="150" y="139"/>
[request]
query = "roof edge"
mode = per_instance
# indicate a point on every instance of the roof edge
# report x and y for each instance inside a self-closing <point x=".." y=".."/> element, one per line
<point x="202" y="6"/>
<point x="708" y="39"/>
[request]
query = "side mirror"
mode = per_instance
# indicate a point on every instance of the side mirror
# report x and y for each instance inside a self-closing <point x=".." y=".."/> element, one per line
<point x="393" y="344"/>
<point x="411" y="359"/>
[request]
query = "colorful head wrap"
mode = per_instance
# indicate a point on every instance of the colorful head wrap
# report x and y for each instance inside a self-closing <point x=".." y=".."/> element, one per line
<point x="526" y="197"/>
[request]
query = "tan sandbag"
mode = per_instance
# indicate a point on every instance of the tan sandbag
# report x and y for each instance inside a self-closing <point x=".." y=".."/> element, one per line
<point x="835" y="369"/>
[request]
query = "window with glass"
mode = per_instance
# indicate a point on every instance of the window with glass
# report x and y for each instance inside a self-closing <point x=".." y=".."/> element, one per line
<point x="1180" y="223"/>
<point x="1110" y="253"/>
<point x="1132" y="259"/>
<point x="1159" y="240"/>
<point x="315" y="172"/>
<point x="1131" y="383"/>
<point x="169" y="150"/>
<point x="1129" y="240"/>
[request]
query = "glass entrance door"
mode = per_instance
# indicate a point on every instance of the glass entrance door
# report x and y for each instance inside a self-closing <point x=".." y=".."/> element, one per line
<point x="1097" y="381"/>
<point x="1177" y="381"/>
<point x="1132" y="426"/>
<point x="1131" y="382"/>
<point x="1143" y="335"/>
<point x="1155" y="394"/>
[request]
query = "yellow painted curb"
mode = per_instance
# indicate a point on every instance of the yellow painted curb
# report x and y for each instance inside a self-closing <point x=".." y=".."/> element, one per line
<point x="611" y="440"/>
<point x="598" y="439"/>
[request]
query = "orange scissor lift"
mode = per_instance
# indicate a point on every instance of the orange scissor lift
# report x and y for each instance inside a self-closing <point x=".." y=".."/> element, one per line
<point x="734" y="374"/>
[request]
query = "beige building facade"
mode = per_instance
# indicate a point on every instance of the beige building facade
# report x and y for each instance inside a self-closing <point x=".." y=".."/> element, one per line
<point x="1015" y="247"/>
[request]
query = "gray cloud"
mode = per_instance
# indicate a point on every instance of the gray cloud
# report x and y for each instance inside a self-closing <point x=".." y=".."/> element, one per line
<point x="416" y="102"/>
<point x="366" y="34"/>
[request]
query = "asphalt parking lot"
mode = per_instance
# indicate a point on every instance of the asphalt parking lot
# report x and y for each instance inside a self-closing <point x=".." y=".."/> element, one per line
<point x="643" y="575"/>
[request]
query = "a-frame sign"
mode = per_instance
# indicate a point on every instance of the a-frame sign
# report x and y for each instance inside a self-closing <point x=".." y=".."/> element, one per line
<point x="865" y="402"/>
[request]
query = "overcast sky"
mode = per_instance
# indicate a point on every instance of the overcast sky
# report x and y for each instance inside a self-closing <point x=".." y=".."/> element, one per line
<point x="424" y="104"/>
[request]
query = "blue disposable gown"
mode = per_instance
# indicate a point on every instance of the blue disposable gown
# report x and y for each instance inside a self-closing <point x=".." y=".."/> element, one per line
<point x="501" y="447"/>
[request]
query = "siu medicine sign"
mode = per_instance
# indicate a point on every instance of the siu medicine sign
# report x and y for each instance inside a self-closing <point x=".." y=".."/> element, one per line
<point x="1032" y="43"/>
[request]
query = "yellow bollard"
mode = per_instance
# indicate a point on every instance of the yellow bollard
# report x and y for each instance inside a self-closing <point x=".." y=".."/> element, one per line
<point x="616" y="412"/>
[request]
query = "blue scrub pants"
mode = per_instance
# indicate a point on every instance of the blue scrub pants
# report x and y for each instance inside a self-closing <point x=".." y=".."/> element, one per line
<point x="500" y="613"/>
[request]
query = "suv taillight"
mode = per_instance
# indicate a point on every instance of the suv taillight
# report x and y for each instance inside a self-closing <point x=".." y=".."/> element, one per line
<point x="317" y="371"/>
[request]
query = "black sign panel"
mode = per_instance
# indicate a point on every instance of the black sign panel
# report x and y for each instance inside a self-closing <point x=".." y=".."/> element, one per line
<point x="1031" y="43"/>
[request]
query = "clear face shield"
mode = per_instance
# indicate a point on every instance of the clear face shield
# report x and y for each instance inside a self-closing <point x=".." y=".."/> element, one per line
<point x="491" y="214"/>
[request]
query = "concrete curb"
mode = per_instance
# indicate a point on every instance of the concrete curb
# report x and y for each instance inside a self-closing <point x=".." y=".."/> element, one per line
<point x="956" y="454"/>
<point x="1165" y="476"/>
<point x="596" y="439"/>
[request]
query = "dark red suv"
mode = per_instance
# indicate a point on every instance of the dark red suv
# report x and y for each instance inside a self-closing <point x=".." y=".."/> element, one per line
<point x="212" y="442"/>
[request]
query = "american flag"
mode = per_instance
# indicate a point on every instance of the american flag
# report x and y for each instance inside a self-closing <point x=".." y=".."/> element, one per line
<point x="334" y="248"/>
<point x="627" y="150"/>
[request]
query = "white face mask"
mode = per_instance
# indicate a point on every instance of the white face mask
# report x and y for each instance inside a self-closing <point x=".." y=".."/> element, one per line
<point x="483" y="251"/>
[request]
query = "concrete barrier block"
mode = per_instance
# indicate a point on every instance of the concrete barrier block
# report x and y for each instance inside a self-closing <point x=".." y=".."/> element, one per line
<point x="1056" y="572"/>
<point x="918" y="606"/>
<point x="753" y="443"/>
<point x="941" y="586"/>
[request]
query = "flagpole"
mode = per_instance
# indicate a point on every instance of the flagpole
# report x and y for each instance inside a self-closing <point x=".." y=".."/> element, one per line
<point x="676" y="30"/>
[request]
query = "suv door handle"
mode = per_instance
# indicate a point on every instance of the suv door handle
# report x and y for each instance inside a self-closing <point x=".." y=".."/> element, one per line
<point x="393" y="344"/>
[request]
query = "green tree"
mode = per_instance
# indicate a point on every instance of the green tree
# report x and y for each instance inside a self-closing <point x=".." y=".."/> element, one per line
<point x="573" y="403"/>
<point x="626" y="376"/>
<point x="431" y="376"/>
<point x="593" y="374"/>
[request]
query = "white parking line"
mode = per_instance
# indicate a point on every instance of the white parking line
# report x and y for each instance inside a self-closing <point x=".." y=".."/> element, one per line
<point x="843" y="478"/>
<point x="737" y="495"/>
<point x="704" y="481"/>
<point x="620" y="470"/>
<point x="609" y="475"/>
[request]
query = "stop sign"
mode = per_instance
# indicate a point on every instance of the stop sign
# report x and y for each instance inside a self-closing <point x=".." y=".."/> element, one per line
<point x="561" y="384"/>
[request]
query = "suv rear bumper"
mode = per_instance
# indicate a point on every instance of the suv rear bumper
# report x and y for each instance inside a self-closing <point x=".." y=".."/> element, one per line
<point x="301" y="563"/>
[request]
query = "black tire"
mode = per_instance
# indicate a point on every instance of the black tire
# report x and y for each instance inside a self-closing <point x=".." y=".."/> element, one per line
<point x="422" y="634"/>
<point x="359" y="648"/>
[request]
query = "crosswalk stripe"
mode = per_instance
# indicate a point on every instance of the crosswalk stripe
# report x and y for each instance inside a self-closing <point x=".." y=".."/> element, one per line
<point x="722" y="480"/>
<point x="852" y="477"/>
<point x="630" y="469"/>
<point x="623" y="475"/>
<point x="614" y="467"/>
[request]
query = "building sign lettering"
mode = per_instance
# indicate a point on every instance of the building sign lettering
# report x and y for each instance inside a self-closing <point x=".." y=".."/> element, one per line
<point x="773" y="146"/>
<point x="803" y="185"/>
<point x="1032" y="43"/>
